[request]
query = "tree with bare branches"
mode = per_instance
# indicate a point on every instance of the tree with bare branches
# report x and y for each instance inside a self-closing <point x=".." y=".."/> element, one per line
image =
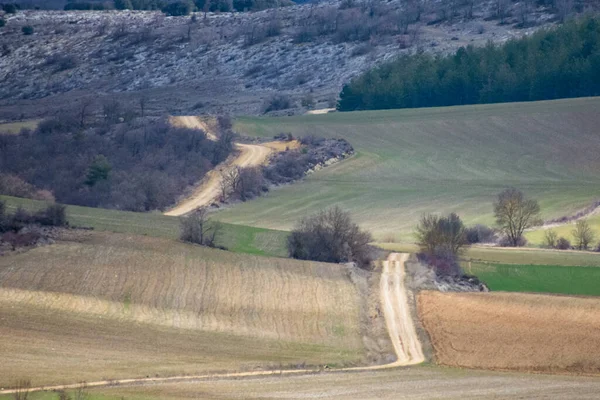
<point x="514" y="213"/>
<point x="583" y="234"/>
<point x="198" y="228"/>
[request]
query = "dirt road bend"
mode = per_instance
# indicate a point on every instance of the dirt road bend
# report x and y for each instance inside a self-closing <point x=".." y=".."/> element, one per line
<point x="209" y="189"/>
<point x="398" y="319"/>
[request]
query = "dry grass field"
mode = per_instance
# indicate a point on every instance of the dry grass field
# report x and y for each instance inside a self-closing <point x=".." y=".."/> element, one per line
<point x="111" y="306"/>
<point x="509" y="331"/>
<point x="414" y="383"/>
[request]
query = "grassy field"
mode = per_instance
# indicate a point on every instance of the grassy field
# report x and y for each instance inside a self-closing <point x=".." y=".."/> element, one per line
<point x="237" y="238"/>
<point x="411" y="162"/>
<point x="572" y="280"/>
<point x="15" y="127"/>
<point x="525" y="332"/>
<point x="109" y="305"/>
<point x="416" y="383"/>
<point x="528" y="270"/>
<point x="537" y="235"/>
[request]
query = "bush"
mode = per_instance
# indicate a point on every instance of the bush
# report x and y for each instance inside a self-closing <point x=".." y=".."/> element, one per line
<point x="563" y="244"/>
<point x="441" y="240"/>
<point x="178" y="8"/>
<point x="505" y="241"/>
<point x="53" y="215"/>
<point x="27" y="30"/>
<point x="199" y="229"/>
<point x="550" y="238"/>
<point x="330" y="236"/>
<point x="278" y="102"/>
<point x="10" y="8"/>
<point x="2" y="22"/>
<point x="480" y="234"/>
<point x="61" y="62"/>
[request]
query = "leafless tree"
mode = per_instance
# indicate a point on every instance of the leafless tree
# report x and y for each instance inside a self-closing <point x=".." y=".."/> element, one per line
<point x="501" y="8"/>
<point x="441" y="237"/>
<point x="85" y="106"/>
<point x="22" y="389"/>
<point x="514" y="213"/>
<point x="198" y="228"/>
<point x="563" y="9"/>
<point x="143" y="102"/>
<point x="550" y="238"/>
<point x="583" y="234"/>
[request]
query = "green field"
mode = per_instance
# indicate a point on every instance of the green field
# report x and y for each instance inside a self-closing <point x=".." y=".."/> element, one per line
<point x="571" y="280"/>
<point x="411" y="162"/>
<point x="243" y="239"/>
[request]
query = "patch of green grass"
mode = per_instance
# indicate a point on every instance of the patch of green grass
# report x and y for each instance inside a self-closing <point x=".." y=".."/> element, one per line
<point x="411" y="162"/>
<point x="571" y="280"/>
<point x="15" y="127"/>
<point x="237" y="238"/>
<point x="537" y="236"/>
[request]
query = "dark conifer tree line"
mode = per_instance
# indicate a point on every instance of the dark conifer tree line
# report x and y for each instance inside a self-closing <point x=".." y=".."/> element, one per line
<point x="551" y="64"/>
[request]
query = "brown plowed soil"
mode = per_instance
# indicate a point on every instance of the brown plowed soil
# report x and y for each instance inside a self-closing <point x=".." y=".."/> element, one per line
<point x="510" y="331"/>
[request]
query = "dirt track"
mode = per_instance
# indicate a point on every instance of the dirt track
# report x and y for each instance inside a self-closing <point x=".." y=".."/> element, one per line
<point x="398" y="319"/>
<point x="249" y="155"/>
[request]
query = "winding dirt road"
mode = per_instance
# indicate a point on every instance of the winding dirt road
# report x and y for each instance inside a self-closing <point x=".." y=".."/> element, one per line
<point x="209" y="189"/>
<point x="398" y="319"/>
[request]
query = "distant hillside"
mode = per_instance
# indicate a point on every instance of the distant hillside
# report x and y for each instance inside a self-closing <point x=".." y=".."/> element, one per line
<point x="415" y="161"/>
<point x="231" y="62"/>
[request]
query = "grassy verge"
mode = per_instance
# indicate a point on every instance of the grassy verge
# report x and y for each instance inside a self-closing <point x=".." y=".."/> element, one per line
<point x="237" y="238"/>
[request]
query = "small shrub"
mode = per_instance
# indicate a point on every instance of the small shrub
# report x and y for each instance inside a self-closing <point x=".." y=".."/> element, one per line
<point x="550" y="238"/>
<point x="53" y="215"/>
<point x="361" y="50"/>
<point x="61" y="62"/>
<point x="308" y="101"/>
<point x="563" y="244"/>
<point x="330" y="236"/>
<point x="9" y="8"/>
<point x="277" y="102"/>
<point x="27" y="30"/>
<point x="441" y="240"/>
<point x="505" y="241"/>
<point x="480" y="234"/>
<point x="199" y="229"/>
<point x="2" y="22"/>
<point x="178" y="8"/>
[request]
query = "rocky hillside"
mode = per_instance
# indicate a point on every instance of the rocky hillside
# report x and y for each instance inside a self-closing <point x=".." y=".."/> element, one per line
<point x="234" y="62"/>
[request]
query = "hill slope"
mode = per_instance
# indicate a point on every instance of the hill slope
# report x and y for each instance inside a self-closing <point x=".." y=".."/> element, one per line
<point x="410" y="162"/>
<point x="114" y="306"/>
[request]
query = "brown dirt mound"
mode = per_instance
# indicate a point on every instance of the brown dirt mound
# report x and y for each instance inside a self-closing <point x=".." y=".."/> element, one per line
<point x="525" y="332"/>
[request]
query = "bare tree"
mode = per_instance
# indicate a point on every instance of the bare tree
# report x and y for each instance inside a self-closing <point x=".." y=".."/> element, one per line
<point x="85" y="105"/>
<point x="563" y="9"/>
<point x="514" y="213"/>
<point x="583" y="234"/>
<point x="501" y="8"/>
<point x="143" y="102"/>
<point x="231" y="180"/>
<point x="550" y="238"/>
<point x="198" y="228"/>
<point x="22" y="389"/>
<point x="441" y="240"/>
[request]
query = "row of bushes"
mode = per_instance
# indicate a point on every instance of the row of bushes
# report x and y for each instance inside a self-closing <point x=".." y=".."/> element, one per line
<point x="53" y="215"/>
